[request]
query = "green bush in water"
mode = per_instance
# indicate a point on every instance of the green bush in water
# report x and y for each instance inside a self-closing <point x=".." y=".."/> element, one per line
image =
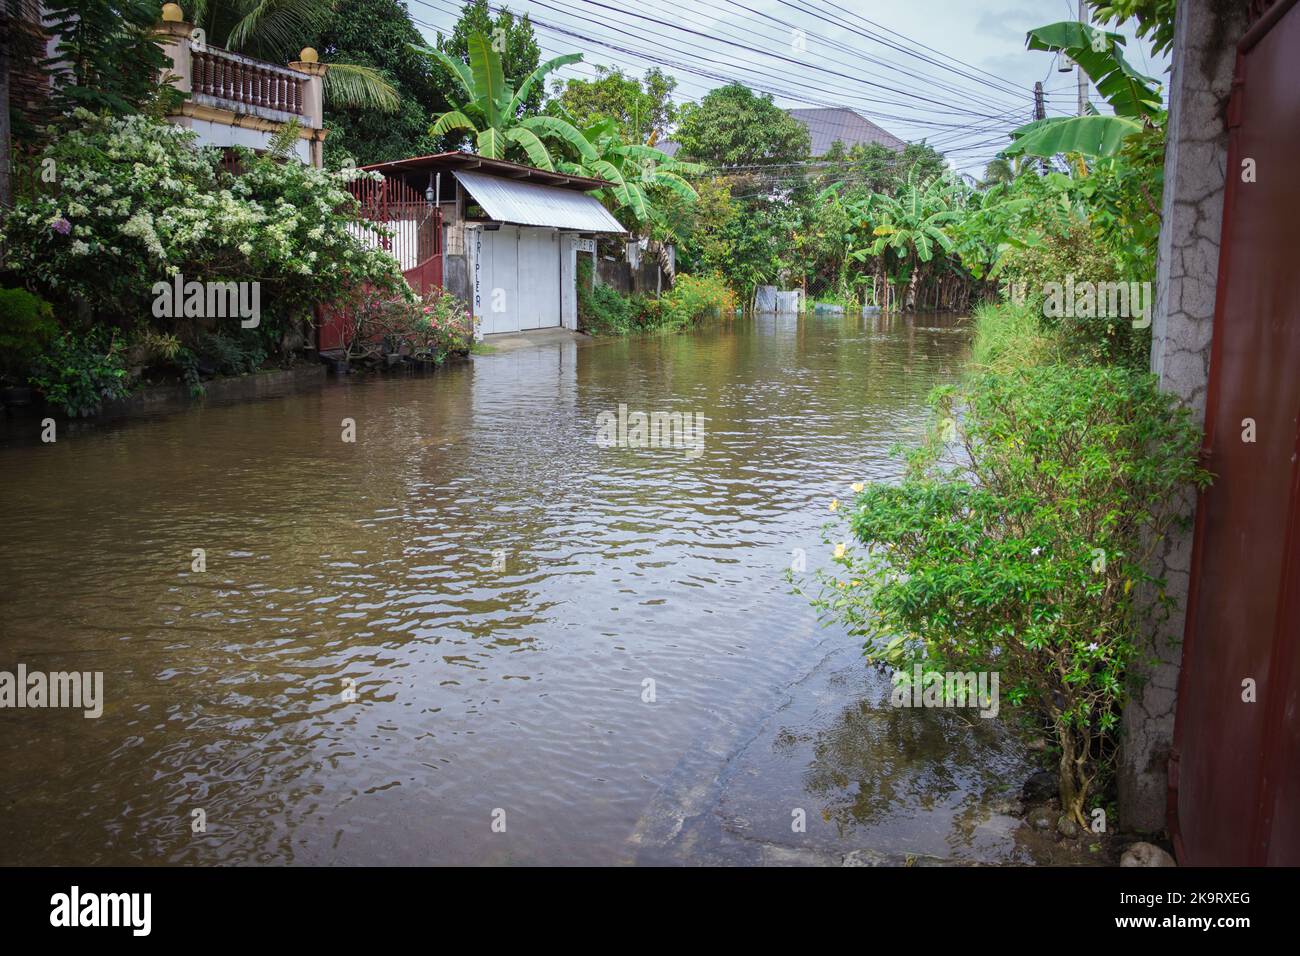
<point x="79" y="371"/>
<point x="1021" y="541"/>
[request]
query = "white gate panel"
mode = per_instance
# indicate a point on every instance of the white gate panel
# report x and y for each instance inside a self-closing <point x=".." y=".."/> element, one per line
<point x="498" y="279"/>
<point x="518" y="279"/>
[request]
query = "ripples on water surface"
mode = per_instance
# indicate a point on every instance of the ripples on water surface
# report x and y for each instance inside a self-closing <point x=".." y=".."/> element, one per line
<point x="372" y="563"/>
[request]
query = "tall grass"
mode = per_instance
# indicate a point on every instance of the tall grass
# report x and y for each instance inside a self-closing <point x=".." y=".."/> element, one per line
<point x="1009" y="336"/>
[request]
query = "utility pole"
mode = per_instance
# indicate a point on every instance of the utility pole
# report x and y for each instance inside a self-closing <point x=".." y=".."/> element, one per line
<point x="1040" y="112"/>
<point x="1082" y="77"/>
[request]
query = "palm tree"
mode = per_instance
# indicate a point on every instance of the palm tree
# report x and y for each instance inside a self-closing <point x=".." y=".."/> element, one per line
<point x="911" y="225"/>
<point x="998" y="171"/>
<point x="491" y="111"/>
<point x="277" y="29"/>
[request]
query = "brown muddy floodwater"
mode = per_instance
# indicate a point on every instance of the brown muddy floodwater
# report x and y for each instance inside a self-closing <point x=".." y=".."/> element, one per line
<point x="482" y="694"/>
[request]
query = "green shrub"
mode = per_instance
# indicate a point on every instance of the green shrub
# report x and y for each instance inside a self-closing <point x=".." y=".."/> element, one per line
<point x="427" y="329"/>
<point x="79" y="371"/>
<point x="139" y="202"/>
<point x="602" y="310"/>
<point x="236" y="353"/>
<point x="1030" y="555"/>
<point x="1078" y="253"/>
<point x="1010" y="336"/>
<point x="695" y="297"/>
<point x="647" y="310"/>
<point x="27" y="327"/>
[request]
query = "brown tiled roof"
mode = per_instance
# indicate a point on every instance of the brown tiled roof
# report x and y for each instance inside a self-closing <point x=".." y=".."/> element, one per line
<point x="828" y="124"/>
<point x="825" y="125"/>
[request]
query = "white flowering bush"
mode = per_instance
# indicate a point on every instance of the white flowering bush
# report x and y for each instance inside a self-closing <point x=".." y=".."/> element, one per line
<point x="136" y="201"/>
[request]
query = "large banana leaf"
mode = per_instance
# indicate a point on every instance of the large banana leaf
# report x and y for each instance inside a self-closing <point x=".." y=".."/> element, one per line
<point x="662" y="160"/>
<point x="491" y="144"/>
<point x="490" y="91"/>
<point x="636" y="202"/>
<point x="458" y="69"/>
<point x="452" y="119"/>
<point x="1089" y="135"/>
<point x="607" y="171"/>
<point x="676" y="184"/>
<point x="536" y="150"/>
<point x="526" y="86"/>
<point x="1101" y="56"/>
<point x="550" y="125"/>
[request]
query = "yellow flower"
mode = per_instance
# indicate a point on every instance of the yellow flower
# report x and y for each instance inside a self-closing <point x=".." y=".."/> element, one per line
<point x="839" y="550"/>
<point x="853" y="584"/>
<point x="857" y="487"/>
<point x="835" y="504"/>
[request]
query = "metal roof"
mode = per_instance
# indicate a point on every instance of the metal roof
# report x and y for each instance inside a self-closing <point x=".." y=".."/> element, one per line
<point x="455" y="160"/>
<point x="532" y="204"/>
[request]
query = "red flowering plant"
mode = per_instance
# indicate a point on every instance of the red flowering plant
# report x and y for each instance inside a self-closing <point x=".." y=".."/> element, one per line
<point x="426" y="329"/>
<point x="440" y="326"/>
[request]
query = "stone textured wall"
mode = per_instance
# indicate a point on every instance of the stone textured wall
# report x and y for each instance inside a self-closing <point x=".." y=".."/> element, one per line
<point x="1206" y="34"/>
<point x="455" y="277"/>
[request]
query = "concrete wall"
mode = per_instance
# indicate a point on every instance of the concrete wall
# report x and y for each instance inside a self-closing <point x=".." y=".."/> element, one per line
<point x="1206" y="33"/>
<point x="617" y="275"/>
<point x="627" y="278"/>
<point x="455" y="277"/>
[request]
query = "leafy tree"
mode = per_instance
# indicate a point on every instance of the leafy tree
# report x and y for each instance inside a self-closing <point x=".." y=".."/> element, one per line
<point x="106" y="54"/>
<point x="734" y="126"/>
<point x="639" y="174"/>
<point x="492" y="110"/>
<point x="913" y="225"/>
<point x="708" y="243"/>
<point x="513" y="40"/>
<point x="378" y="34"/>
<point x="644" y="108"/>
<point x="879" y="169"/>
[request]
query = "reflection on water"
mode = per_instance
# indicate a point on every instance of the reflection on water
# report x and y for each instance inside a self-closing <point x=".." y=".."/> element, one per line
<point x="369" y="567"/>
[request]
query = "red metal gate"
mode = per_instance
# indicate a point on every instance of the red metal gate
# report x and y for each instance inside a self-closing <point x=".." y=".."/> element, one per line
<point x="1235" y="768"/>
<point x="414" y="238"/>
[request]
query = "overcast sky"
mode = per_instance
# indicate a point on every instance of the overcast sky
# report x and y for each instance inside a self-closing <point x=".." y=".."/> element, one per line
<point x="955" y="72"/>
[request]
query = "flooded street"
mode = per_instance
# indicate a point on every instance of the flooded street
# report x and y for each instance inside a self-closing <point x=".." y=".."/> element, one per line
<point x="494" y="589"/>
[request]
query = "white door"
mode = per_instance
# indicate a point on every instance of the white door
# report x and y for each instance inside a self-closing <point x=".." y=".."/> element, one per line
<point x="498" y="279"/>
<point x="539" y="278"/>
<point x="518" y="278"/>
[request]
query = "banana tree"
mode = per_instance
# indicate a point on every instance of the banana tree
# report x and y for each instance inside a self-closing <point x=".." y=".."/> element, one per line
<point x="912" y="225"/>
<point x="635" y="171"/>
<point x="1135" y="98"/>
<point x="640" y="178"/>
<point x="490" y="112"/>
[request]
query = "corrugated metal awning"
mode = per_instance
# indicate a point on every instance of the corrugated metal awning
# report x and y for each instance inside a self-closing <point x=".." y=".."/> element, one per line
<point x="532" y="204"/>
